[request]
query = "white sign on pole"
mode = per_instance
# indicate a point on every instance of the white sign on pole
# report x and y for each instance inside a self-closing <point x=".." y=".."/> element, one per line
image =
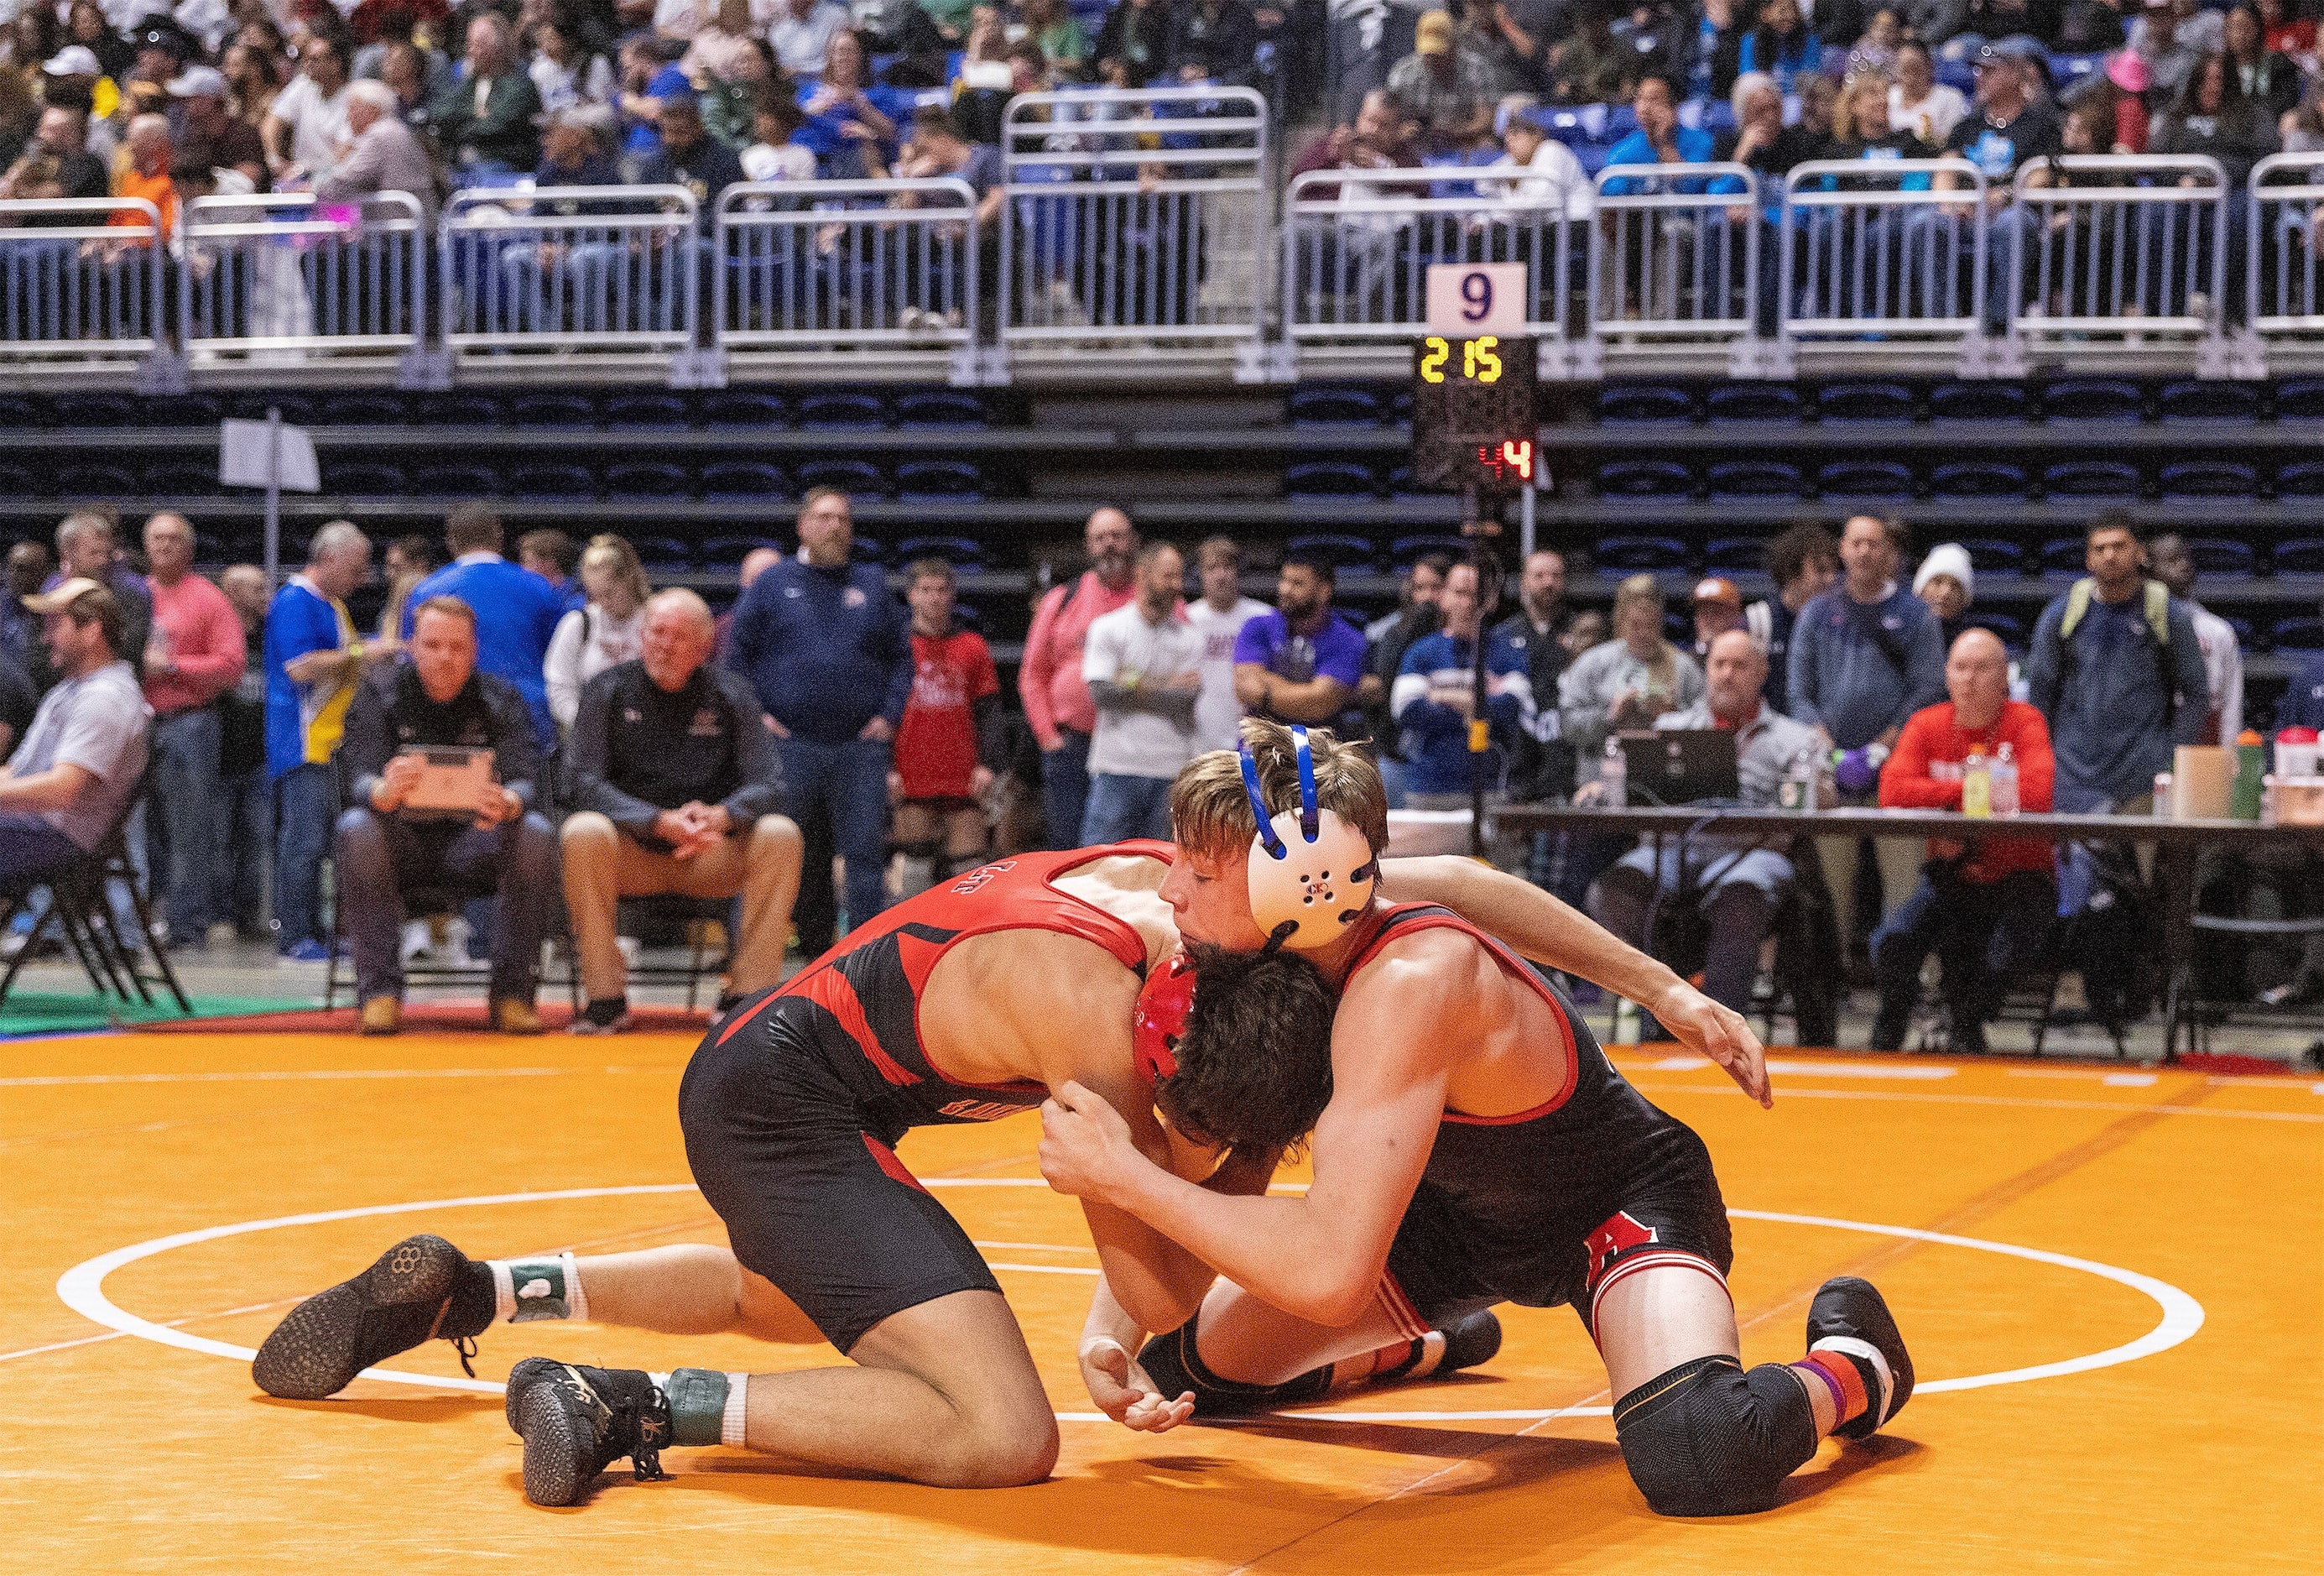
<point x="1466" y="298"/>
<point x="246" y="458"/>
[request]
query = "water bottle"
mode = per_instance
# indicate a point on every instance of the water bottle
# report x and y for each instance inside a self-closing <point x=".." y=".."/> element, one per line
<point x="1977" y="787"/>
<point x="1798" y="786"/>
<point x="2004" y="784"/>
<point x="1614" y="771"/>
<point x="2244" y="797"/>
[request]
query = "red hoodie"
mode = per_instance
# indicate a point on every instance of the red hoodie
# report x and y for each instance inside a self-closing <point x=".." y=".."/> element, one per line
<point x="1924" y="773"/>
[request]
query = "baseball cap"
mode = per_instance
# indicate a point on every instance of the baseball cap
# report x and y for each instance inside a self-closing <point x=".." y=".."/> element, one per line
<point x="199" y="82"/>
<point x="74" y="61"/>
<point x="66" y="594"/>
<point x="1717" y="589"/>
<point x="1433" y="33"/>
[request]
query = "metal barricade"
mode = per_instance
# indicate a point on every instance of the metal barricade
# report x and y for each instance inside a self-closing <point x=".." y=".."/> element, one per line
<point x="81" y="281"/>
<point x="875" y="270"/>
<point x="613" y="273"/>
<point x="285" y="278"/>
<point x="2115" y="254"/>
<point x="1878" y="263"/>
<point x="2283" y="242"/>
<point x="1674" y="266"/>
<point x="1140" y="218"/>
<point x="1357" y="248"/>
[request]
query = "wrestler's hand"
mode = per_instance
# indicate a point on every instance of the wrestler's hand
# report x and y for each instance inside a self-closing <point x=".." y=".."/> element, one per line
<point x="1719" y="1033"/>
<point x="1084" y="1143"/>
<point x="1123" y="1392"/>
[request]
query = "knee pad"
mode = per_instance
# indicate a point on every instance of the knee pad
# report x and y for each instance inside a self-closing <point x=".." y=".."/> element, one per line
<point x="1707" y="1439"/>
<point x="1176" y="1365"/>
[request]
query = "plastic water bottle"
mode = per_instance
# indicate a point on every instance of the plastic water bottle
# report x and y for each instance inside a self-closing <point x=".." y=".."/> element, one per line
<point x="2004" y="784"/>
<point x="1977" y="787"/>
<point x="1614" y="771"/>
<point x="1799" y="787"/>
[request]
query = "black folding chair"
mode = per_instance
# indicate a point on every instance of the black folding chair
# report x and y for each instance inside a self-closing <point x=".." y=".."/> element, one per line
<point x="79" y="909"/>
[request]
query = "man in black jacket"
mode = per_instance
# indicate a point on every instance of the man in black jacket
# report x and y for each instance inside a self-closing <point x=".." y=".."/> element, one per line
<point x="676" y="788"/>
<point x="1543" y="767"/>
<point x="389" y="845"/>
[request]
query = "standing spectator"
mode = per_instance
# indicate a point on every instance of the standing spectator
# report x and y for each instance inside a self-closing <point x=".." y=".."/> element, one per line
<point x="949" y="748"/>
<point x="820" y="637"/>
<point x="1218" y="616"/>
<point x="71" y="778"/>
<point x="802" y="34"/>
<point x="86" y="550"/>
<point x="384" y="155"/>
<point x="1301" y="664"/>
<point x="484" y="121"/>
<point x="604" y="631"/>
<point x="2118" y="671"/>
<point x="194" y="655"/>
<point x="1435" y="699"/>
<point x="313" y="659"/>
<point x="2223" y="659"/>
<point x="307" y="124"/>
<point x="1447" y="93"/>
<point x="1983" y="907"/>
<point x="1625" y="684"/>
<point x="517" y="611"/>
<point x="1542" y="766"/>
<point x="1718" y="608"/>
<point x="676" y="788"/>
<point x="1919" y="103"/>
<point x="1865" y="654"/>
<point x="1804" y="562"/>
<point x="499" y="847"/>
<point x="1049" y="684"/>
<point x="1385" y="641"/>
<point x="410" y="559"/>
<point x="755" y="562"/>
<point x="555" y="557"/>
<point x="28" y="568"/>
<point x="1947" y="581"/>
<point x="1143" y="664"/>
<point x="240" y="892"/>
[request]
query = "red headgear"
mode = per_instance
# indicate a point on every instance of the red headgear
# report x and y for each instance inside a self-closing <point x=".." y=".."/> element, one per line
<point x="1160" y="1017"/>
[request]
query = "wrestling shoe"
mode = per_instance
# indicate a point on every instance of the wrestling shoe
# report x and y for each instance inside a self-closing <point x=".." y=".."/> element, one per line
<point x="1470" y="1341"/>
<point x="420" y="1289"/>
<point x="576" y="1421"/>
<point x="1849" y="1317"/>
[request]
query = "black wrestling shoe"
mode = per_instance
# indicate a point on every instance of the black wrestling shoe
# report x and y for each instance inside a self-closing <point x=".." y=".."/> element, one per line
<point x="1848" y="1316"/>
<point x="576" y="1421"/>
<point x="1470" y="1341"/>
<point x="420" y="1289"/>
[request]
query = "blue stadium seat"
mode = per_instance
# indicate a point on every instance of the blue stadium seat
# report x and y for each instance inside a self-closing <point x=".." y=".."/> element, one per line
<point x="1329" y="478"/>
<point x="467" y="410"/>
<point x="1754" y="478"/>
<point x="1345" y="552"/>
<point x="960" y="552"/>
<point x="938" y="478"/>
<point x="1318" y="407"/>
<point x="364" y="408"/>
<point x="95" y="480"/>
<point x="839" y="409"/>
<point x="1753" y="402"/>
<point x="853" y="476"/>
<point x="2220" y="556"/>
<point x="1645" y="401"/>
<point x="2300" y="635"/>
<point x="1865" y="479"/>
<point x="102" y="410"/>
<point x="1404" y="549"/>
<point x="2208" y="478"/>
<point x="2303" y="555"/>
<point x="2091" y="478"/>
<point x="941" y="408"/>
<point x="663" y="555"/>
<point x="2011" y="631"/>
<point x="1987" y="555"/>
<point x="2299" y="399"/>
<point x="647" y="478"/>
<point x="210" y="548"/>
<point x="1865" y="401"/>
<point x="2093" y="399"/>
<point x="2068" y="72"/>
<point x="367" y="478"/>
<point x="2188" y="401"/>
<point x="743" y="478"/>
<point x="645" y="410"/>
<point x="2304" y="480"/>
<point x="1645" y="478"/>
<point x="2065" y="555"/>
<point x="18" y="413"/>
<point x="182" y="479"/>
<point x="1978" y="401"/>
<point x="1977" y="479"/>
<point x="728" y="552"/>
<point x="552" y="409"/>
<point x="1631" y="555"/>
<point x="473" y="481"/>
<point x="729" y="408"/>
<point x="1742" y="555"/>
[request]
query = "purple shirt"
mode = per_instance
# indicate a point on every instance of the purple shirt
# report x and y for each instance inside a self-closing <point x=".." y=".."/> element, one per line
<point x="1336" y="651"/>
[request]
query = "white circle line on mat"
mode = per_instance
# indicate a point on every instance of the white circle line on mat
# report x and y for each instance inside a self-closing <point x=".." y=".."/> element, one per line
<point x="82" y="1289"/>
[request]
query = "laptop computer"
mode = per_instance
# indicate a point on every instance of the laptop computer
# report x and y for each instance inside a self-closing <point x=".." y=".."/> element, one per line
<point x="1681" y="766"/>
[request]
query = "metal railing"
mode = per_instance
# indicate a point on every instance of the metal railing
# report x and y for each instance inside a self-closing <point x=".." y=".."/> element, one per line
<point x="2115" y="252"/>
<point x="1673" y="260"/>
<point x="612" y="271"/>
<point x="1356" y="250"/>
<point x="2283" y="252"/>
<point x="1139" y="216"/>
<point x="285" y="278"/>
<point x="1876" y="254"/>
<point x="81" y="278"/>
<point x="815" y="268"/>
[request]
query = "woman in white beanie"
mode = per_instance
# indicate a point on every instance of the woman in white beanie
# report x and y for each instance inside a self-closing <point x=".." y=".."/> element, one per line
<point x="1947" y="582"/>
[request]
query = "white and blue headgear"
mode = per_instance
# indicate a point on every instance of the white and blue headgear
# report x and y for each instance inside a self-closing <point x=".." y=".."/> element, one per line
<point x="1311" y="873"/>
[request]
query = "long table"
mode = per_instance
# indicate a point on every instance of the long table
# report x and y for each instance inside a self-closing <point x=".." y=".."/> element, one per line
<point x="2177" y="843"/>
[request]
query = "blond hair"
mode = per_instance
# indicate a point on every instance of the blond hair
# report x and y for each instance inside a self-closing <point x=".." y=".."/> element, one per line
<point x="613" y="553"/>
<point x="1210" y="810"/>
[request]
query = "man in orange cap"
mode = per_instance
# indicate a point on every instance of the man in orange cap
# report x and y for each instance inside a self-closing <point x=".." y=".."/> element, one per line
<point x="1718" y="608"/>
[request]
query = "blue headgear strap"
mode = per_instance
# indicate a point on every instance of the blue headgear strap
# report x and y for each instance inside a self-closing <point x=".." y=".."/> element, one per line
<point x="1267" y="838"/>
<point x="1309" y="823"/>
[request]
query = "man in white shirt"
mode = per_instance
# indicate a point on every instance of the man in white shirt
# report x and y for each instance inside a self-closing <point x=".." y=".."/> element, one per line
<point x="802" y="34"/>
<point x="1217" y="618"/>
<point x="2223" y="659"/>
<point x="306" y="130"/>
<point x="71" y="778"/>
<point x="1143" y="665"/>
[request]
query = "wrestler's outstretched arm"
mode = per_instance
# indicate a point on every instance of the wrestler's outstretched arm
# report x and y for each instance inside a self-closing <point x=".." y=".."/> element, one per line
<point x="1550" y="933"/>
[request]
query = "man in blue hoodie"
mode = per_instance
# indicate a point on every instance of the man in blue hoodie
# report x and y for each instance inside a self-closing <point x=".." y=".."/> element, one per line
<point x="1434" y="696"/>
<point x="516" y="610"/>
<point x="828" y="649"/>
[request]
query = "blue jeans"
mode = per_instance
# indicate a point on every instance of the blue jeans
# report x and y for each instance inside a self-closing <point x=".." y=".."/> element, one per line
<point x="2006" y="232"/>
<point x="1065" y="787"/>
<point x="1120" y="808"/>
<point x="189" y="803"/>
<point x="30" y="848"/>
<point x="382" y="856"/>
<point x="839" y="797"/>
<point x="305" y="801"/>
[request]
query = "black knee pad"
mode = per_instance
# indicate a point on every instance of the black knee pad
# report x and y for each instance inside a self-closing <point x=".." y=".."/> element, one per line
<point x="1707" y="1439"/>
<point x="1175" y="1365"/>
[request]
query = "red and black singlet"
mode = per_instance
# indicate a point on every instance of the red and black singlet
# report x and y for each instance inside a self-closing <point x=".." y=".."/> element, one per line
<point x="858" y="1004"/>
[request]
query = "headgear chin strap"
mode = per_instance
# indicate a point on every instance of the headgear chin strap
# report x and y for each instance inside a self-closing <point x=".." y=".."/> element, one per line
<point x="1311" y="873"/>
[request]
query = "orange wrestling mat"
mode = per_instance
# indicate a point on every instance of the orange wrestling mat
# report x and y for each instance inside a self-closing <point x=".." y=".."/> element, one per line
<point x="2113" y="1283"/>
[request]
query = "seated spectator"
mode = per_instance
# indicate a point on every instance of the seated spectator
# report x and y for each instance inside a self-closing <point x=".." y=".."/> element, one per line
<point x="850" y="123"/>
<point x="1143" y="664"/>
<point x="1445" y="94"/>
<point x="1134" y="42"/>
<point x="213" y="137"/>
<point x="1381" y="137"/>
<point x="68" y="171"/>
<point x="1718" y="608"/>
<point x="1213" y="40"/>
<point x="1591" y="66"/>
<point x="2264" y="75"/>
<point x="649" y="68"/>
<point x="29" y="566"/>
<point x="254" y="76"/>
<point x="517" y="611"/>
<point x="73" y="80"/>
<point x="1623" y="685"/>
<point x="2212" y="118"/>
<point x="89" y="28"/>
<point x="2090" y="27"/>
<point x="1861" y="130"/>
<point x="566" y="72"/>
<point x="386" y="157"/>
<point x="147" y="176"/>
<point x="1761" y="140"/>
<point x="1554" y="178"/>
<point x="777" y="152"/>
<point x="1660" y="139"/>
<point x="690" y="156"/>
<point x="485" y="122"/>
<point x="1053" y="27"/>
<point x="2117" y="671"/>
<point x="70" y="780"/>
<point x="675" y="789"/>
<point x="1660" y="37"/>
<point x="900" y="28"/>
<point x="2286" y="30"/>
<point x="1947" y="581"/>
<point x="2014" y="131"/>
<point x="604" y="631"/>
<point x="1736" y="885"/>
<point x="306" y="123"/>
<point x="1435" y="699"/>
<point x="2223" y="659"/>
<point x="1983" y="908"/>
<point x="1875" y="53"/>
<point x="497" y="846"/>
<point x="949" y="746"/>
<point x="1919" y="103"/>
<point x="574" y="152"/>
<point x="802" y="33"/>
<point x="1781" y="46"/>
<point x="406" y="70"/>
<point x="938" y="148"/>
<point x="2171" y="41"/>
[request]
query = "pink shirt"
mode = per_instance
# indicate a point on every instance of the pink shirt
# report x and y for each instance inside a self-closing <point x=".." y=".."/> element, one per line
<point x="1049" y="679"/>
<point x="196" y="626"/>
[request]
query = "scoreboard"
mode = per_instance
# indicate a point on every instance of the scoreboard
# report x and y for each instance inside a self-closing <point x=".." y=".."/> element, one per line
<point x="1473" y="417"/>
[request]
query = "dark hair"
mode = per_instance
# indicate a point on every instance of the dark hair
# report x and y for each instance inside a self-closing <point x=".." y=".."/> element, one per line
<point x="2189" y="100"/>
<point x="418" y="550"/>
<point x="197" y="171"/>
<point x="101" y="607"/>
<point x="2113" y="520"/>
<point x="1789" y="554"/>
<point x="1255" y="1058"/>
<point x="936" y="120"/>
<point x="1439" y="564"/>
<point x="472" y="528"/>
<point x="553" y="545"/>
<point x="1317" y="562"/>
<point x="1899" y="534"/>
<point x="1669" y="88"/>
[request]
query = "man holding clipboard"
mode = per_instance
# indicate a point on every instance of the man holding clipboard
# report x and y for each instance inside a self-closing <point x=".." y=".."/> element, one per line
<point x="441" y="761"/>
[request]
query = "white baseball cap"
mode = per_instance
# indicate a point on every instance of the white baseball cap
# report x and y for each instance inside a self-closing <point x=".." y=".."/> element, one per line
<point x="74" y="61"/>
<point x="199" y="82"/>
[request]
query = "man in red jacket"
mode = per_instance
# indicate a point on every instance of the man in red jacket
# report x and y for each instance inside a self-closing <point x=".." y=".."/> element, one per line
<point x="1982" y="907"/>
<point x="1057" y="704"/>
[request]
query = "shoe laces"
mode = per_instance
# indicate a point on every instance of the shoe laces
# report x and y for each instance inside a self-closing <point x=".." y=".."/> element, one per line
<point x="645" y="1433"/>
<point x="465" y="1345"/>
